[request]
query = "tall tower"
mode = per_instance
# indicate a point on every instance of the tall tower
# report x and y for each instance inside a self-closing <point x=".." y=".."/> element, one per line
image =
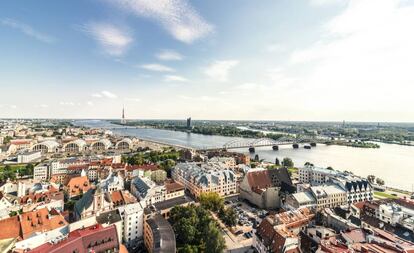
<point x="123" y="120"/>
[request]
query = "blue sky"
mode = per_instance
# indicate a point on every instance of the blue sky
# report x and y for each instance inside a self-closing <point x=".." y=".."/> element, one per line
<point x="267" y="60"/>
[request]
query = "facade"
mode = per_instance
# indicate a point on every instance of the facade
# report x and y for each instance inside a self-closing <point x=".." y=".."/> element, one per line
<point x="95" y="238"/>
<point x="159" y="236"/>
<point x="209" y="177"/>
<point x="46" y="147"/>
<point x="328" y="196"/>
<point x="75" y="146"/>
<point x="279" y="233"/>
<point x="300" y="200"/>
<point x="263" y="187"/>
<point x="147" y="192"/>
<point x="133" y="223"/>
<point x="28" y="157"/>
<point x="358" y="189"/>
<point x="41" y="172"/>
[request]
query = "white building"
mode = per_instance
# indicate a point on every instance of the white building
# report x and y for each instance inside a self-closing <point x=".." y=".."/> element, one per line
<point x="208" y="177"/>
<point x="133" y="218"/>
<point x="41" y="172"/>
<point x="391" y="213"/>
<point x="358" y="189"/>
<point x="28" y="157"/>
<point x="114" y="182"/>
<point x="147" y="192"/>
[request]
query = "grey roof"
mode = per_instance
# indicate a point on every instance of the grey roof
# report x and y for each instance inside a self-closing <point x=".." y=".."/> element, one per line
<point x="163" y="234"/>
<point x="110" y="217"/>
<point x="206" y="174"/>
<point x="173" y="202"/>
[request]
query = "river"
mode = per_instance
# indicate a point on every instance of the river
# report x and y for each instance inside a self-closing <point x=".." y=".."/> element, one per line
<point x="393" y="163"/>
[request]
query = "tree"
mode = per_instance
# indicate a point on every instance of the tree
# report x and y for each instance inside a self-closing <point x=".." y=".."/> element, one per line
<point x="211" y="201"/>
<point x="329" y="168"/>
<point x="277" y="162"/>
<point x="371" y="178"/>
<point x="287" y="162"/>
<point x="29" y="169"/>
<point x="380" y="181"/>
<point x="188" y="249"/>
<point x="228" y="216"/>
<point x="214" y="243"/>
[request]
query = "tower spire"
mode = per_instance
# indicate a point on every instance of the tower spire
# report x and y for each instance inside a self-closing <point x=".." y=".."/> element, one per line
<point x="123" y="121"/>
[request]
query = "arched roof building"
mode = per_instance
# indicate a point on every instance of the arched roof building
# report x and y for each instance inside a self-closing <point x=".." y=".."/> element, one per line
<point x="100" y="145"/>
<point x="46" y="147"/>
<point x="124" y="144"/>
<point x="75" y="146"/>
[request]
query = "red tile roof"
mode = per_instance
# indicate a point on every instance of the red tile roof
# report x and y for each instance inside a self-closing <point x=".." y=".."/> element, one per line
<point x="91" y="239"/>
<point x="25" y="225"/>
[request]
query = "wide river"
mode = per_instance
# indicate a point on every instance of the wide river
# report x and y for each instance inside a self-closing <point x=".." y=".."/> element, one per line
<point x="393" y="163"/>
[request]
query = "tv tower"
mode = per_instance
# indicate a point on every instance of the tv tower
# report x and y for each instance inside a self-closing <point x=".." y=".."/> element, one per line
<point x="123" y="120"/>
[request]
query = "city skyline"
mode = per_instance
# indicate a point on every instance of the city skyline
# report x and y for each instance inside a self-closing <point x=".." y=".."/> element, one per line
<point x="308" y="60"/>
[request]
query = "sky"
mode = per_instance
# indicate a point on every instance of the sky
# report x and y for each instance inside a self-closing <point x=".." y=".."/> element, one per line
<point x="310" y="60"/>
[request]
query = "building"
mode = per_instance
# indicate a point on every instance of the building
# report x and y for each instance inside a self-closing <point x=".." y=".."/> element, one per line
<point x="33" y="229"/>
<point x="208" y="177"/>
<point x="21" y="144"/>
<point x="114" y="182"/>
<point x="77" y="186"/>
<point x="328" y="196"/>
<point x="263" y="188"/>
<point x="300" y="200"/>
<point x="30" y="156"/>
<point x="41" y="172"/>
<point x="189" y="126"/>
<point x="48" y="146"/>
<point x="229" y="162"/>
<point x="133" y="223"/>
<point x="358" y="189"/>
<point x="279" y="233"/>
<point x="92" y="202"/>
<point x="159" y="236"/>
<point x="95" y="238"/>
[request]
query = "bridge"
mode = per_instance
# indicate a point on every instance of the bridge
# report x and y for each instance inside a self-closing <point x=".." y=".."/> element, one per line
<point x="267" y="142"/>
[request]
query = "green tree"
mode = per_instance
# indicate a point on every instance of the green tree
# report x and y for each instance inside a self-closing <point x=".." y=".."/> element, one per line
<point x="277" y="162"/>
<point x="188" y="249"/>
<point x="214" y="243"/>
<point x="29" y="169"/>
<point x="287" y="162"/>
<point x="228" y="216"/>
<point x="380" y="181"/>
<point x="211" y="201"/>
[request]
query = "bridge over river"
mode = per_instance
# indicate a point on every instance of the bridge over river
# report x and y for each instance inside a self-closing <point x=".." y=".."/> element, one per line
<point x="307" y="141"/>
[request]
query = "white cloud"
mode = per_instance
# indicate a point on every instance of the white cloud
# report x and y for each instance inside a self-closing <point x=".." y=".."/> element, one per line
<point x="90" y="103"/>
<point x="157" y="67"/>
<point x="96" y="95"/>
<point x="169" y="55"/>
<point x="43" y="106"/>
<point x="104" y="94"/>
<point x="13" y="106"/>
<point x="365" y="54"/>
<point x="113" y="40"/>
<point x="28" y="30"/>
<point x="219" y="70"/>
<point x="326" y="2"/>
<point x="133" y="99"/>
<point x="175" y="78"/>
<point x="108" y="94"/>
<point x="178" y="17"/>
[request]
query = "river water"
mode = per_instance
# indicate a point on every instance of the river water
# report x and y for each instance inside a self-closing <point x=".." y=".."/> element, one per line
<point x="393" y="163"/>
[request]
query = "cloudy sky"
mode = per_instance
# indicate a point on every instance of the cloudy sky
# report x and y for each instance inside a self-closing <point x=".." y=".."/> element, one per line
<point x="238" y="59"/>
